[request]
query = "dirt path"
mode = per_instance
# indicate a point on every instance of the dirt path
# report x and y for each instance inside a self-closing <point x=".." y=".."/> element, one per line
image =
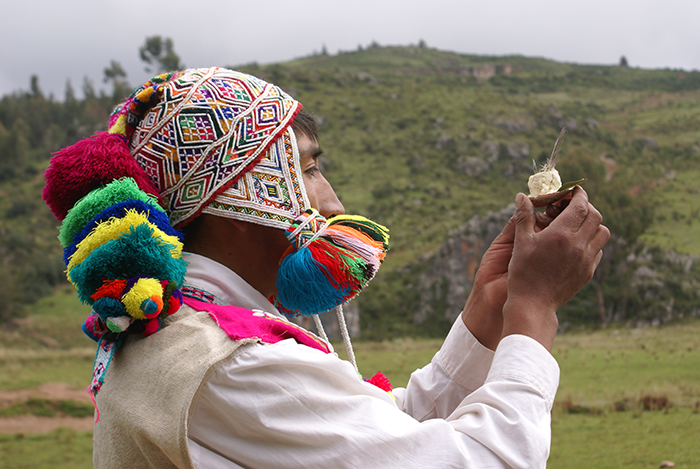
<point x="36" y="424"/>
<point x="51" y="391"/>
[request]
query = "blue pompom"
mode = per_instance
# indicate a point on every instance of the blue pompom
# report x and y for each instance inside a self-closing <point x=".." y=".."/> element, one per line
<point x="107" y="307"/>
<point x="118" y="210"/>
<point x="304" y="288"/>
<point x="148" y="306"/>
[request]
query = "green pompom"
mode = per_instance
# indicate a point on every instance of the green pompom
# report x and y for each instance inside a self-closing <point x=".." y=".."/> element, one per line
<point x="97" y="201"/>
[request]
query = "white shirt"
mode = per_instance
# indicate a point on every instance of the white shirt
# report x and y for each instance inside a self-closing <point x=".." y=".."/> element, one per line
<point x="286" y="405"/>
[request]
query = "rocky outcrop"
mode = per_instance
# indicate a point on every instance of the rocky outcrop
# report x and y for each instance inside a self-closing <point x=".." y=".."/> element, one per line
<point x="486" y="71"/>
<point x="517" y="124"/>
<point x="556" y="118"/>
<point x="449" y="272"/>
<point x="472" y="165"/>
<point x="644" y="286"/>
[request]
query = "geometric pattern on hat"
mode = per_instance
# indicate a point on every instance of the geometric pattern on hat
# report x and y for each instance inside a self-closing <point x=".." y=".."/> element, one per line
<point x="208" y="128"/>
<point x="271" y="193"/>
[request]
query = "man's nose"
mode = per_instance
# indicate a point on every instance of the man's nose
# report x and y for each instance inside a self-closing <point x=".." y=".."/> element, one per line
<point x="329" y="204"/>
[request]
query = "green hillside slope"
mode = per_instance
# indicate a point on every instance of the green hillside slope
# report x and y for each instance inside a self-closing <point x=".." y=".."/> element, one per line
<point x="408" y="122"/>
<point x="420" y="140"/>
<point x="423" y="140"/>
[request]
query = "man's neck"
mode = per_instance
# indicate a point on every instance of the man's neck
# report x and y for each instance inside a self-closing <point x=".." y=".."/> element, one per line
<point x="251" y="251"/>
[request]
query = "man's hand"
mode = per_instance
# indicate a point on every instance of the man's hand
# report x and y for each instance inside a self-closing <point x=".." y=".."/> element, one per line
<point x="548" y="267"/>
<point x="483" y="312"/>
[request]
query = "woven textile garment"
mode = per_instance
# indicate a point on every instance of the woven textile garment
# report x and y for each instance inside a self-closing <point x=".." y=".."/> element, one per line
<point x="223" y="136"/>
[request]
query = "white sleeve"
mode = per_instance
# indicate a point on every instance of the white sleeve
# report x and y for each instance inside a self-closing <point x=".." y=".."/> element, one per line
<point x="287" y="406"/>
<point x="460" y="366"/>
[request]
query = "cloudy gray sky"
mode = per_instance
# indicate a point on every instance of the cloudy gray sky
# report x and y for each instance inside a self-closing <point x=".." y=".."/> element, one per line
<point x="61" y="40"/>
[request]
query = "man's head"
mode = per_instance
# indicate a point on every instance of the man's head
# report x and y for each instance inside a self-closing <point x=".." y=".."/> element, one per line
<point x="243" y="166"/>
<point x="321" y="195"/>
<point x="253" y="250"/>
<point x="219" y="148"/>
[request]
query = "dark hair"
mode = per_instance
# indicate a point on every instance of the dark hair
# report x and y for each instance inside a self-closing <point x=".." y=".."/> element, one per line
<point x="305" y="124"/>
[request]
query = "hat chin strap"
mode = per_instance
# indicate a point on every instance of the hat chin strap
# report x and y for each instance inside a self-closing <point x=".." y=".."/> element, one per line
<point x="343" y="333"/>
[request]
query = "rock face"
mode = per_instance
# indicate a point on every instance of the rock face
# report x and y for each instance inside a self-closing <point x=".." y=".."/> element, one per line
<point x="486" y="71"/>
<point x="645" y="286"/>
<point x="519" y="150"/>
<point x="449" y="275"/>
<point x="472" y="165"/>
<point x="490" y="150"/>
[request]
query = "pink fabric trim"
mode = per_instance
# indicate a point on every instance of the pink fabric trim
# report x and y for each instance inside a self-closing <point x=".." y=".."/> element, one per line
<point x="241" y="323"/>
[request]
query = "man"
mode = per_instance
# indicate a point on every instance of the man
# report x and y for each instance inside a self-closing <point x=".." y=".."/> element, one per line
<point x="226" y="382"/>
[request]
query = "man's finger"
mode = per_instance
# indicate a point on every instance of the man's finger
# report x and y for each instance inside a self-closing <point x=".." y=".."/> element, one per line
<point x="601" y="236"/>
<point x="524" y="216"/>
<point x="576" y="212"/>
<point x="553" y="211"/>
<point x="596" y="262"/>
<point x="542" y="221"/>
<point x="592" y="222"/>
<point x="506" y="235"/>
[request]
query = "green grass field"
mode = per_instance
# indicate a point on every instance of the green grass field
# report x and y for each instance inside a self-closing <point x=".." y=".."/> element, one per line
<point x="600" y="370"/>
<point x="62" y="448"/>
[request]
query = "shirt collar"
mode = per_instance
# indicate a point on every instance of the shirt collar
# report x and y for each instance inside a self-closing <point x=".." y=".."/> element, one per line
<point x="225" y="284"/>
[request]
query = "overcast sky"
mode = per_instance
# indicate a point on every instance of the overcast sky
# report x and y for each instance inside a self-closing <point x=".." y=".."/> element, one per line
<point x="60" y="40"/>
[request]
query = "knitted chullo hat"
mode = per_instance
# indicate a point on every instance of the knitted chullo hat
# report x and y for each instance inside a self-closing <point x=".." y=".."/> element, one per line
<point x="205" y="140"/>
<point x="213" y="132"/>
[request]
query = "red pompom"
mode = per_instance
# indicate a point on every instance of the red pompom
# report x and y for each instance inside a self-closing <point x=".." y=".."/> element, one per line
<point x="152" y="326"/>
<point x="90" y="163"/>
<point x="111" y="289"/>
<point x="174" y="304"/>
<point x="381" y="381"/>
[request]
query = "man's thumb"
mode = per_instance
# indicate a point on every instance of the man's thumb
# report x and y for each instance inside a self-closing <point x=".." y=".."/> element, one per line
<point x="524" y="214"/>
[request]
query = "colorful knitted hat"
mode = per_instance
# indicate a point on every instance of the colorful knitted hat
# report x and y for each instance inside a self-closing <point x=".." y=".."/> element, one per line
<point x="207" y="129"/>
<point x="204" y="140"/>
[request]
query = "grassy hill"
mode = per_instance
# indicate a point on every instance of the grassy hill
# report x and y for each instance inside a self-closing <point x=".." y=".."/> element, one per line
<point x="400" y="123"/>
<point x="420" y="140"/>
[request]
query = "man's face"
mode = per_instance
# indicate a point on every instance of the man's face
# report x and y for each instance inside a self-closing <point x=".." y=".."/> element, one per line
<point x="321" y="194"/>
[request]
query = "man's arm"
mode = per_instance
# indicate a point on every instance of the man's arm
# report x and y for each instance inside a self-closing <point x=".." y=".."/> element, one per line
<point x="457" y="369"/>
<point x="549" y="267"/>
<point x="285" y="405"/>
<point x="464" y="360"/>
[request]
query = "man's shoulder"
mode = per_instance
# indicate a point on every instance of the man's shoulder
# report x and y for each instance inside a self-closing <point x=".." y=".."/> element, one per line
<point x="255" y="324"/>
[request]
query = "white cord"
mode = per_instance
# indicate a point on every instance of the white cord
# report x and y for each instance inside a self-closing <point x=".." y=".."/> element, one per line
<point x="346" y="337"/>
<point x="319" y="328"/>
<point x="316" y="235"/>
<point x="292" y="236"/>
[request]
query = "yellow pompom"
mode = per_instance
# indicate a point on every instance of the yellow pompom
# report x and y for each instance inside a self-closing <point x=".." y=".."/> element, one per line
<point x="139" y="301"/>
<point x="113" y="229"/>
<point x="119" y="126"/>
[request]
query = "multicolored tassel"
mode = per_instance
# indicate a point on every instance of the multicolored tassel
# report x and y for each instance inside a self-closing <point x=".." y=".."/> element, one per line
<point x="329" y="263"/>
<point x="89" y="164"/>
<point x="126" y="261"/>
